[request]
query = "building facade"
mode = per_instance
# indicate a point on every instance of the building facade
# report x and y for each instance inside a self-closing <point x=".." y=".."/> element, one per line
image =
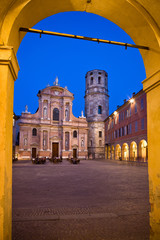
<point x="52" y="131"/>
<point x="126" y="130"/>
<point x="96" y="111"/>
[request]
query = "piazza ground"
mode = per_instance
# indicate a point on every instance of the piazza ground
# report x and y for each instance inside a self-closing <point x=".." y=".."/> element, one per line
<point x="94" y="200"/>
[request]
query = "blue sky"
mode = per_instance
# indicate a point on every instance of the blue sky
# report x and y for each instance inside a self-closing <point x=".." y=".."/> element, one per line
<point x="42" y="59"/>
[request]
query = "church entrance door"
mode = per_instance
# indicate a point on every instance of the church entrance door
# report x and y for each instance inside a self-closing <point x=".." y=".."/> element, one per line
<point x="55" y="148"/>
<point x="34" y="152"/>
<point x="74" y="153"/>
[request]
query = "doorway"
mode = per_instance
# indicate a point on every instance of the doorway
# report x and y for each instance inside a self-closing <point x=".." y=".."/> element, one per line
<point x="34" y="152"/>
<point x="74" y="153"/>
<point x="55" y="150"/>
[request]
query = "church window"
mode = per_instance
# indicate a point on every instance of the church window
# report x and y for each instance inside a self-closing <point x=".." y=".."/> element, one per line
<point x="91" y="73"/>
<point x="75" y="134"/>
<point x="99" y="80"/>
<point x="91" y="82"/>
<point x="34" y="132"/>
<point x="99" y="109"/>
<point x="100" y="133"/>
<point x="56" y="114"/>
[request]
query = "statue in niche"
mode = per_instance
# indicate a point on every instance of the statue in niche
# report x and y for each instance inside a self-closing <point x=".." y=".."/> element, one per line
<point x="66" y="114"/>
<point x="45" y="112"/>
<point x="82" y="143"/>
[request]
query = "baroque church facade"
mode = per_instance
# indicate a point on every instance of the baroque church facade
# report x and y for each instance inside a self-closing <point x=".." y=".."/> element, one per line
<point x="53" y="131"/>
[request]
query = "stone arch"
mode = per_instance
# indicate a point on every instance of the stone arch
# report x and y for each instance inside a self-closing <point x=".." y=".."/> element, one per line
<point x="143" y="150"/>
<point x="118" y="152"/>
<point x="15" y="14"/>
<point x="125" y="151"/>
<point x="28" y="13"/>
<point x="133" y="151"/>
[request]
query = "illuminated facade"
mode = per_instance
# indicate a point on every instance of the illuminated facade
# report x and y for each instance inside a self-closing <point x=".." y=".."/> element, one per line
<point x="52" y="131"/>
<point x="96" y="110"/>
<point x="126" y="130"/>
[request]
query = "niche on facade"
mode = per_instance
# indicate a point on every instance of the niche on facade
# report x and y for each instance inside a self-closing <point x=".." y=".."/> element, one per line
<point x="45" y="140"/>
<point x="67" y="113"/>
<point x="66" y="141"/>
<point x="45" y="109"/>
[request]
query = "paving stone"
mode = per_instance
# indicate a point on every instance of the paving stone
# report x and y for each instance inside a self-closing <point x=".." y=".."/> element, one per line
<point x="94" y="200"/>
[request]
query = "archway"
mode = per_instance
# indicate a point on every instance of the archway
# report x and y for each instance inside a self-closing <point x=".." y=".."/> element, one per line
<point x="133" y="151"/>
<point x="143" y="150"/>
<point x="118" y="152"/>
<point x="125" y="151"/>
<point x="15" y="14"/>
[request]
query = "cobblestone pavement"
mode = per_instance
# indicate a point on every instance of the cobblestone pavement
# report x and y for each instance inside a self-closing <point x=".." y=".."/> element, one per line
<point x="94" y="200"/>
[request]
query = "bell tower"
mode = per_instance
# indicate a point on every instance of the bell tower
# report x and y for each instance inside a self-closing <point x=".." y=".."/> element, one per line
<point x="96" y="111"/>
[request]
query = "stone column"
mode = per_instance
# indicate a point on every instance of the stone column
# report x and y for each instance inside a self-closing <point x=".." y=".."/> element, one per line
<point x="41" y="140"/>
<point x="151" y="86"/>
<point x="8" y="73"/>
<point x="70" y="141"/>
<point x="63" y="139"/>
<point x="49" y="110"/>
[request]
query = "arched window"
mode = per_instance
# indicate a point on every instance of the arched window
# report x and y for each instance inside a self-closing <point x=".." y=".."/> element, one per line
<point x="34" y="132"/>
<point x="75" y="134"/>
<point x="91" y="82"/>
<point x="56" y="114"/>
<point x="99" y="109"/>
<point x="99" y="80"/>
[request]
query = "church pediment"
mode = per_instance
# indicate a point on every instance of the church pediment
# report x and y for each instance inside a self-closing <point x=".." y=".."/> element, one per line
<point x="54" y="138"/>
<point x="34" y="144"/>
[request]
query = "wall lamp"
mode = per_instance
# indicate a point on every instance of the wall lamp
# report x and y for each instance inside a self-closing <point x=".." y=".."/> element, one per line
<point x="131" y="100"/>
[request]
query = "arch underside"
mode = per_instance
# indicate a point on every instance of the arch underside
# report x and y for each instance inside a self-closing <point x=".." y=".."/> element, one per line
<point x="134" y="17"/>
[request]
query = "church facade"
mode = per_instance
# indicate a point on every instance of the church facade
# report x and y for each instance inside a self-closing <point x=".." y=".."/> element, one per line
<point x="53" y="131"/>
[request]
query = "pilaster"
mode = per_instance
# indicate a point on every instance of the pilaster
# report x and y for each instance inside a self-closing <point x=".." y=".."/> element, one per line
<point x="8" y="73"/>
<point x="151" y="86"/>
